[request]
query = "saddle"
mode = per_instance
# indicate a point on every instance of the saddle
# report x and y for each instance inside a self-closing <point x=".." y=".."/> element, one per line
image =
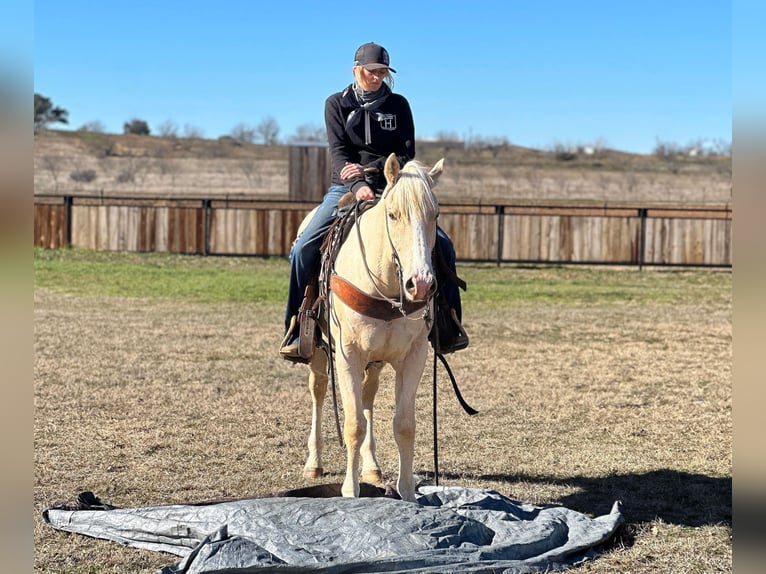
<point x="311" y="317"/>
<point x="309" y="314"/>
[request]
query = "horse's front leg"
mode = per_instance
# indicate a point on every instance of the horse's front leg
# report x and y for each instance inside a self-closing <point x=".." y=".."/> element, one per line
<point x="350" y="375"/>
<point x="318" y="387"/>
<point x="408" y="376"/>
<point x="370" y="466"/>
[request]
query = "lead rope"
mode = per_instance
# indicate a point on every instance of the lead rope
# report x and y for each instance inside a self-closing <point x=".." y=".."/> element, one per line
<point x="327" y="272"/>
<point x="334" y="395"/>
<point x="332" y="378"/>
<point x="436" y="427"/>
<point x="466" y="407"/>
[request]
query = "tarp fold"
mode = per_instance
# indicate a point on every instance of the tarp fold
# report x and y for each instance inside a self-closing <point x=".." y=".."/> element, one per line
<point x="449" y="529"/>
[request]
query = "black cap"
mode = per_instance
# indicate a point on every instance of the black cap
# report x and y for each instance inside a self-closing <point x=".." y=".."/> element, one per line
<point x="372" y="56"/>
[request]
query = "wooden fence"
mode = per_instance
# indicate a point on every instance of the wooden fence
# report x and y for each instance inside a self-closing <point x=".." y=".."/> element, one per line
<point x="551" y="232"/>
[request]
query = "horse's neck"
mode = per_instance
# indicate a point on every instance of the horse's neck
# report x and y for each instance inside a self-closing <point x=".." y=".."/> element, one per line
<point x="374" y="259"/>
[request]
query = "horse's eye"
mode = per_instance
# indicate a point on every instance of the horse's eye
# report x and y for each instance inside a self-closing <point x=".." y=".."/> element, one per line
<point x="392" y="216"/>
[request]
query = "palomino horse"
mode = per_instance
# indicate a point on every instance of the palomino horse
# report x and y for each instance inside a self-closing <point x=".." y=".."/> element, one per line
<point x="386" y="259"/>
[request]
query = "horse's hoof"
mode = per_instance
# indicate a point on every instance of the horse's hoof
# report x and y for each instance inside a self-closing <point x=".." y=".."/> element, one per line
<point x="313" y="473"/>
<point x="372" y="476"/>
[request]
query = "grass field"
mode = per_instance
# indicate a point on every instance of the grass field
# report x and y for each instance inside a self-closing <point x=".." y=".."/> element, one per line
<point x="157" y="381"/>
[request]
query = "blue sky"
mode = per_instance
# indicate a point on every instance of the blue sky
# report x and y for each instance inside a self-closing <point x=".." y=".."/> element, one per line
<point x="538" y="73"/>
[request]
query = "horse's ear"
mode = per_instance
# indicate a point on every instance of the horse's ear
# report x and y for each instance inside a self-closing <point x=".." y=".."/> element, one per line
<point x="392" y="169"/>
<point x="437" y="170"/>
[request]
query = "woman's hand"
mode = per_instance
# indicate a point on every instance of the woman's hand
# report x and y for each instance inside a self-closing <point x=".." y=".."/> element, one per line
<point x="351" y="171"/>
<point x="364" y="193"/>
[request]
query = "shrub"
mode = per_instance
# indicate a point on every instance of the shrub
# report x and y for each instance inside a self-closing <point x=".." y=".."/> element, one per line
<point x="94" y="126"/>
<point x="125" y="176"/>
<point x="83" y="175"/>
<point x="137" y="127"/>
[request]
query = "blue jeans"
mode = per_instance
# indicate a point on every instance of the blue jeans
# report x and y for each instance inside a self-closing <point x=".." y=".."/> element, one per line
<point x="304" y="256"/>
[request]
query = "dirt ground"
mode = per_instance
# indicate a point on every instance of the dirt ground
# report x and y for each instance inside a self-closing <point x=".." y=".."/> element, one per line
<point x="147" y="401"/>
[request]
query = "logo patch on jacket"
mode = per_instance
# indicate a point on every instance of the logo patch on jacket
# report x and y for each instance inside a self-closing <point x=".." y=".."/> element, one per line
<point x="387" y="121"/>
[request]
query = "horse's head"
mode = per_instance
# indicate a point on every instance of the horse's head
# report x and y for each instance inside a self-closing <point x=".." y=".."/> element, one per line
<point x="411" y="213"/>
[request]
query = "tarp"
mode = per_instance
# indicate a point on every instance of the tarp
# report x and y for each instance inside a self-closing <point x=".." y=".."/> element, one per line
<point x="448" y="529"/>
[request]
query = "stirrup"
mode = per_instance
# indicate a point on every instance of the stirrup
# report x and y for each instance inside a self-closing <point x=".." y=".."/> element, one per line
<point x="289" y="350"/>
<point x="457" y="340"/>
<point x="447" y="334"/>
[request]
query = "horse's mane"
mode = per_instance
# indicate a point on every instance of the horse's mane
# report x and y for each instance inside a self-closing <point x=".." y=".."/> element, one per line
<point x="411" y="196"/>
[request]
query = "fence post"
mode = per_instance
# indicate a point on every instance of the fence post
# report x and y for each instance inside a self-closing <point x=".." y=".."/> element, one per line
<point x="642" y="214"/>
<point x="68" y="201"/>
<point x="206" y="209"/>
<point x="500" y="213"/>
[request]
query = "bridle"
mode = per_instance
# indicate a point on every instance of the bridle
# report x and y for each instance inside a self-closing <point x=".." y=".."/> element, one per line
<point x="400" y="303"/>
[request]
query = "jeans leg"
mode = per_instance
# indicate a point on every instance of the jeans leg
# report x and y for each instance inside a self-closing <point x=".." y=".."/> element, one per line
<point x="304" y="255"/>
<point x="449" y="287"/>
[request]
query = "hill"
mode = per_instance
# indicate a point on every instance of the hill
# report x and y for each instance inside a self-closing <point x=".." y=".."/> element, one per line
<point x="85" y="163"/>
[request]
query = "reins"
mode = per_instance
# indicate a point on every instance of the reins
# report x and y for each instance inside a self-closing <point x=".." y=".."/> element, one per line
<point x="466" y="407"/>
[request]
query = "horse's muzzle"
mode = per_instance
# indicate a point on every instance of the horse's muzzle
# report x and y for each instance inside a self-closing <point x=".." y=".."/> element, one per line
<point x="421" y="287"/>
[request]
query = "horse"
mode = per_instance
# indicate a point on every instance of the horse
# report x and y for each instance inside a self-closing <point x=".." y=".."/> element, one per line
<point x="385" y="261"/>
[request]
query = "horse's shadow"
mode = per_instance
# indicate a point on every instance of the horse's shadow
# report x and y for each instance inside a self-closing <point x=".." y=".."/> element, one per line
<point x="673" y="496"/>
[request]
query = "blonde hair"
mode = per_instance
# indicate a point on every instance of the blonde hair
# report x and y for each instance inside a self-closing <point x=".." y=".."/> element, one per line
<point x="388" y="79"/>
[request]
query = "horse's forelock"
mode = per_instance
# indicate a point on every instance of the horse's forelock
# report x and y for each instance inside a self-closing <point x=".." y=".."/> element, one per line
<point x="411" y="195"/>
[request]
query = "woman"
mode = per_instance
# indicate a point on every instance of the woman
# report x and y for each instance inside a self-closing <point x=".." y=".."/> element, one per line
<point x="365" y="123"/>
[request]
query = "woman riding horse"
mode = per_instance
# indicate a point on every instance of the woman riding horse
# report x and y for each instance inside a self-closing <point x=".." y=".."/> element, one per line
<point x="365" y="123"/>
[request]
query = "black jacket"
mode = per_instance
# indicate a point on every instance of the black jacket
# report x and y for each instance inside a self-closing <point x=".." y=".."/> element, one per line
<point x="391" y="131"/>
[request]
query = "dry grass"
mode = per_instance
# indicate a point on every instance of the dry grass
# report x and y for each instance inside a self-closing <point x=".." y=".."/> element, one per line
<point x="147" y="401"/>
<point x="125" y="164"/>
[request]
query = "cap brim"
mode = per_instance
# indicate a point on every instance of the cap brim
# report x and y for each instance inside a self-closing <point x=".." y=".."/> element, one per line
<point x="377" y="67"/>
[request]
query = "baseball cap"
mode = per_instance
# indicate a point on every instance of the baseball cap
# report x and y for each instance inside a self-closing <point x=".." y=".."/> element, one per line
<point x="372" y="56"/>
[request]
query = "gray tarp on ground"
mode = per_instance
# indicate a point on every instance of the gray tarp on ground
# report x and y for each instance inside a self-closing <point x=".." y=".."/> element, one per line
<point x="450" y="529"/>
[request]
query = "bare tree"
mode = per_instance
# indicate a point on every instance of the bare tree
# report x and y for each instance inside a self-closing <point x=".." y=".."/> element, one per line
<point x="308" y="133"/>
<point x="268" y="131"/>
<point x="722" y="147"/>
<point x="134" y="171"/>
<point x="193" y="132"/>
<point x="243" y="133"/>
<point x="168" y="129"/>
<point x="667" y="149"/>
<point x="447" y="137"/>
